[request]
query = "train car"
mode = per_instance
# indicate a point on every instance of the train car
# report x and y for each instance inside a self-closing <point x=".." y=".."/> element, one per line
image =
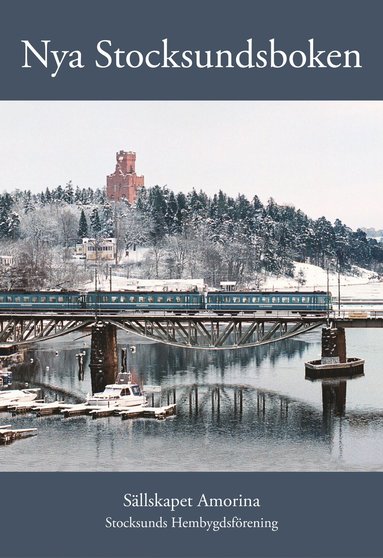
<point x="316" y="302"/>
<point x="45" y="300"/>
<point x="176" y="301"/>
<point x="171" y="301"/>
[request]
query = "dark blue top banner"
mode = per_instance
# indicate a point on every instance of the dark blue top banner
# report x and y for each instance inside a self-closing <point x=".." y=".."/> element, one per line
<point x="227" y="50"/>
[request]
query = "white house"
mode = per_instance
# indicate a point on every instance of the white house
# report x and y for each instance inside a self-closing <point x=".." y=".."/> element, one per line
<point x="96" y="249"/>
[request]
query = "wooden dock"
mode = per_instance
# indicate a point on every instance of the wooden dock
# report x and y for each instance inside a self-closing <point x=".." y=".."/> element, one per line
<point x="159" y="413"/>
<point x="47" y="409"/>
<point x="9" y="434"/>
<point x="42" y="409"/>
<point x="124" y="412"/>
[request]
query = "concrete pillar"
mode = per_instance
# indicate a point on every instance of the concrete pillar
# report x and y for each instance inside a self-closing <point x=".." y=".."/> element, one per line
<point x="104" y="358"/>
<point x="333" y="345"/>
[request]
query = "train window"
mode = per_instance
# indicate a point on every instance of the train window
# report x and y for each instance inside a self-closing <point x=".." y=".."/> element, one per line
<point x="265" y="299"/>
<point x="104" y="299"/>
<point x="274" y="299"/>
<point x="169" y="299"/>
<point x="245" y="299"/>
<point x="236" y="299"/>
<point x="43" y="298"/>
<point x="60" y="299"/>
<point x="178" y="299"/>
<point x="295" y="299"/>
<point x="160" y="299"/>
<point x="26" y="299"/>
<point x="305" y="299"/>
<point x="132" y="299"/>
<point x="122" y="298"/>
<point x="52" y="299"/>
<point x="1" y="299"/>
<point x="17" y="298"/>
<point x="254" y="299"/>
<point x="9" y="298"/>
<point x="321" y="299"/>
<point x="141" y="299"/>
<point x="285" y="299"/>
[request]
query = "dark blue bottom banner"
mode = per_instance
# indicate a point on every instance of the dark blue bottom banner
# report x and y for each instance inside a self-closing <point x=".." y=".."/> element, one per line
<point x="190" y="515"/>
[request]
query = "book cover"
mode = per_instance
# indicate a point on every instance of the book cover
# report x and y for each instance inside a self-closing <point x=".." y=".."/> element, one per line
<point x="190" y="262"/>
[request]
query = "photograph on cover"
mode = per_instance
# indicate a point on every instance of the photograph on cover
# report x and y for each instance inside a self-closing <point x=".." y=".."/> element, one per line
<point x="191" y="286"/>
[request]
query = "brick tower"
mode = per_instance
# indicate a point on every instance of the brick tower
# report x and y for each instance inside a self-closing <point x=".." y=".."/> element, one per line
<point x="124" y="182"/>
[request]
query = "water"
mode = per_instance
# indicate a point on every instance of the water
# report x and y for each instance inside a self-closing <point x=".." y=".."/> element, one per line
<point x="282" y="425"/>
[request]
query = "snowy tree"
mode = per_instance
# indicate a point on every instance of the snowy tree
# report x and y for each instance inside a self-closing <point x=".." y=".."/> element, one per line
<point x="68" y="194"/>
<point x="95" y="223"/>
<point x="82" y="226"/>
<point x="301" y="278"/>
<point x="107" y="221"/>
<point x="32" y="266"/>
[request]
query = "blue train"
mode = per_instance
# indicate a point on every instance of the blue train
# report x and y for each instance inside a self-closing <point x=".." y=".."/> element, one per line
<point x="220" y="302"/>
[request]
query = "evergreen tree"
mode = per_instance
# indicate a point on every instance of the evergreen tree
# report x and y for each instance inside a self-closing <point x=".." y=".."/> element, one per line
<point x="48" y="196"/>
<point x="107" y="221"/>
<point x="95" y="222"/>
<point x="82" y="226"/>
<point x="68" y="194"/>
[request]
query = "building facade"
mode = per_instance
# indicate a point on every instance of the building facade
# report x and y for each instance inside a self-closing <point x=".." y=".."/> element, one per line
<point x="124" y="183"/>
<point x="6" y="262"/>
<point x="96" y="250"/>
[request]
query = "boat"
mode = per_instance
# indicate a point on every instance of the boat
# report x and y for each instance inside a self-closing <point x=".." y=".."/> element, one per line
<point x="124" y="393"/>
<point x="12" y="396"/>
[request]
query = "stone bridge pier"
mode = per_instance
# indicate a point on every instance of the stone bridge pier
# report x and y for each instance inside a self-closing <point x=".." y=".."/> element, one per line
<point x="333" y="345"/>
<point x="104" y="357"/>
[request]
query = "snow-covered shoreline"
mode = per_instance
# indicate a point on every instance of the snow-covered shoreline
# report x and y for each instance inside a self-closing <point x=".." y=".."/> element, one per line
<point x="365" y="285"/>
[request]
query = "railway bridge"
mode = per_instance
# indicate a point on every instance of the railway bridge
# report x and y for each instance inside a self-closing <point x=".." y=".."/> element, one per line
<point x="202" y="330"/>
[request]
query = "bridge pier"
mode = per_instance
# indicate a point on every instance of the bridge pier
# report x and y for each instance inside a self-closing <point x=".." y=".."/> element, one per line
<point x="103" y="359"/>
<point x="333" y="345"/>
<point x="334" y="362"/>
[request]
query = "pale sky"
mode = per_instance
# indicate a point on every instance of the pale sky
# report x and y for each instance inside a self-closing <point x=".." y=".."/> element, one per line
<point x="325" y="158"/>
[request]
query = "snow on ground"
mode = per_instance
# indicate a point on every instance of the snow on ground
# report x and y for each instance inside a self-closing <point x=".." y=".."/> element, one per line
<point x="364" y="285"/>
<point x="132" y="284"/>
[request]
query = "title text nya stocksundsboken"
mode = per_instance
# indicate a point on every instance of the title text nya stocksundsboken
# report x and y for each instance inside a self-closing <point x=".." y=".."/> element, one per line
<point x="273" y="55"/>
<point x="144" y="500"/>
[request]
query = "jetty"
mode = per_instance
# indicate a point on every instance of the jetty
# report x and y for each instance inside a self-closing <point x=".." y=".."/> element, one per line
<point x="116" y="410"/>
<point x="8" y="434"/>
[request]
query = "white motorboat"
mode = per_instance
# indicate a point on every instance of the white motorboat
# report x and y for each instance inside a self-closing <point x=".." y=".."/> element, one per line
<point x="12" y="396"/>
<point x="124" y="393"/>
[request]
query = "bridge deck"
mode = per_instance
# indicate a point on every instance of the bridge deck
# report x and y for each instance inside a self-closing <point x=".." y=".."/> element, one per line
<point x="372" y="322"/>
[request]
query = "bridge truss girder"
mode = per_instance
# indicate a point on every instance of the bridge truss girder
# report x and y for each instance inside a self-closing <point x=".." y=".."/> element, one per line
<point x="215" y="332"/>
<point x="22" y="330"/>
<point x="200" y="331"/>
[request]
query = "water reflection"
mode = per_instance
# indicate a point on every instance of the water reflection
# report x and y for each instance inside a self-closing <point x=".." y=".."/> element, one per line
<point x="237" y="410"/>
